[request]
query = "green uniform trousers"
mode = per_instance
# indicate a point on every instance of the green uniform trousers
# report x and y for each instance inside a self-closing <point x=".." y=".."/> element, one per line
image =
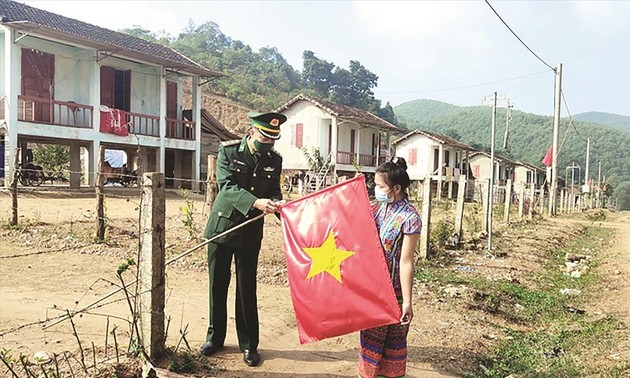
<point x="219" y="270"/>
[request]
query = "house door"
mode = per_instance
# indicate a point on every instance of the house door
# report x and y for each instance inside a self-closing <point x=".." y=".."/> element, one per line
<point x="171" y="100"/>
<point x="169" y="166"/>
<point x="38" y="70"/>
<point x="2" y="157"/>
<point x="116" y="88"/>
<point x="436" y="160"/>
<point x="353" y="135"/>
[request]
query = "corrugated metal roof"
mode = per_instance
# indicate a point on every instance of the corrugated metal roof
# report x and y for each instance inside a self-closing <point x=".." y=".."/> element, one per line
<point x="41" y="22"/>
<point x="212" y="125"/>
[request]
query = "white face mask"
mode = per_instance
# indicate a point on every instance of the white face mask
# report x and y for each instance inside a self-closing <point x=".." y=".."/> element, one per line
<point x="382" y="196"/>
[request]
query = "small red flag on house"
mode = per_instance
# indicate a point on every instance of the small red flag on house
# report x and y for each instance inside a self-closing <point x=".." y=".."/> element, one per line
<point x="338" y="277"/>
<point x="548" y="159"/>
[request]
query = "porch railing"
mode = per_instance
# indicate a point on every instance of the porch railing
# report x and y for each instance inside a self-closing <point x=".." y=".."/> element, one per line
<point x="143" y="124"/>
<point x="365" y="160"/>
<point x="180" y="129"/>
<point x="53" y="112"/>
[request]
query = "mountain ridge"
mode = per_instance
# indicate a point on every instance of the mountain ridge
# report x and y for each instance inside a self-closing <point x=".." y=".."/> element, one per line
<point x="530" y="135"/>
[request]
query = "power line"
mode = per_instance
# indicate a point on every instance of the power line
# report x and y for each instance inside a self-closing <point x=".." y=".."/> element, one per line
<point x="517" y="37"/>
<point x="570" y="117"/>
<point x="534" y="75"/>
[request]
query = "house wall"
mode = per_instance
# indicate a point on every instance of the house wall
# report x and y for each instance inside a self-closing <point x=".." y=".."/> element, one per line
<point x="502" y="171"/>
<point x="425" y="154"/>
<point x="315" y="134"/>
<point x="3" y="35"/>
<point x="76" y="78"/>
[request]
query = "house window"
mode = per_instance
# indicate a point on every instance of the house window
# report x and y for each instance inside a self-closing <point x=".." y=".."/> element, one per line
<point x="297" y="135"/>
<point x="447" y="158"/>
<point x="413" y="156"/>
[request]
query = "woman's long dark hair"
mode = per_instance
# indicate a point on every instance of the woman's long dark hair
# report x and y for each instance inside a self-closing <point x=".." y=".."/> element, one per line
<point x="395" y="173"/>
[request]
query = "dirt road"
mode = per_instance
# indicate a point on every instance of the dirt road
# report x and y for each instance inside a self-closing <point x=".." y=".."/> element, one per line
<point x="45" y="270"/>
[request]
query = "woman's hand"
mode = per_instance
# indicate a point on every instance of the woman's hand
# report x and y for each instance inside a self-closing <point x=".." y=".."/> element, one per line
<point x="407" y="314"/>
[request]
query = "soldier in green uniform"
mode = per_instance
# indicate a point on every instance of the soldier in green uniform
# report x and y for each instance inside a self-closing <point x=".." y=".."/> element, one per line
<point x="248" y="175"/>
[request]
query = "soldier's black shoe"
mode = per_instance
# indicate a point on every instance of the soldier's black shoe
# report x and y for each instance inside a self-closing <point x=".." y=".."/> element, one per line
<point x="209" y="348"/>
<point x="251" y="357"/>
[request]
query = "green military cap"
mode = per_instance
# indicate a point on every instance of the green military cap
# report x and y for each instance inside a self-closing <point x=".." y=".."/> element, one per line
<point x="268" y="123"/>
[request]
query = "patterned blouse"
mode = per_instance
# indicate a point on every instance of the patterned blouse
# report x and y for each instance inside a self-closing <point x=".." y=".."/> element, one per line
<point x="401" y="218"/>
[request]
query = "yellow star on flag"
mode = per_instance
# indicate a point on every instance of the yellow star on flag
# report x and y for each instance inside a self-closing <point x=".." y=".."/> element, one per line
<point x="327" y="258"/>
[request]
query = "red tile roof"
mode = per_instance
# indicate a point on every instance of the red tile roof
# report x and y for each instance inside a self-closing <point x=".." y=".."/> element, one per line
<point x="38" y="21"/>
<point x="343" y="112"/>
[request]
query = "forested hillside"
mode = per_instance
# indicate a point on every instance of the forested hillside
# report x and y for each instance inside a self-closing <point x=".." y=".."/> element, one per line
<point x="264" y="80"/>
<point x="530" y="135"/>
<point x="617" y="121"/>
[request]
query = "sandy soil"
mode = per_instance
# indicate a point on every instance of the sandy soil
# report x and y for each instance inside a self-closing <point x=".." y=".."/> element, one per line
<point x="51" y="265"/>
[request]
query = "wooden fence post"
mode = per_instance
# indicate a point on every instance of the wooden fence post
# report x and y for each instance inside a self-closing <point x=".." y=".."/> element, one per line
<point x="211" y="184"/>
<point x="532" y="195"/>
<point x="521" y="201"/>
<point x="151" y="265"/>
<point x="459" y="211"/>
<point x="14" y="191"/>
<point x="508" y="199"/>
<point x="542" y="201"/>
<point x="485" y="200"/>
<point x="426" y="217"/>
<point x="100" y="208"/>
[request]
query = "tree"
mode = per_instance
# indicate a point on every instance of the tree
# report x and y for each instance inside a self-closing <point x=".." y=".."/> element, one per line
<point x="317" y="74"/>
<point x="622" y="193"/>
<point x="52" y="157"/>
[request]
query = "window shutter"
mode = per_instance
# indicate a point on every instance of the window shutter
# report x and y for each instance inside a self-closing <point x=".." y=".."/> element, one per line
<point x="299" y="135"/>
<point x="413" y="156"/>
<point x="475" y="170"/>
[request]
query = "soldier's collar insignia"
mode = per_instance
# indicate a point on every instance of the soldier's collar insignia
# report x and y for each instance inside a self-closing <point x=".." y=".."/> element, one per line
<point x="239" y="162"/>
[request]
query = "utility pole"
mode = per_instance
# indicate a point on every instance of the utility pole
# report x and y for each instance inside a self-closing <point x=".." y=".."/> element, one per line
<point x="508" y="118"/>
<point x="491" y="191"/>
<point x="588" y="186"/>
<point x="556" y="136"/>
<point x="490" y="196"/>
<point x="599" y="185"/>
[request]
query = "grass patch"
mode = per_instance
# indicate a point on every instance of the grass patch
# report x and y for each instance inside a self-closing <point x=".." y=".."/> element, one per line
<point x="559" y="343"/>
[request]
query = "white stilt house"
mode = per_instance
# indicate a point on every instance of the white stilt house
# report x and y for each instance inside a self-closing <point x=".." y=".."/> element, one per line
<point x="67" y="82"/>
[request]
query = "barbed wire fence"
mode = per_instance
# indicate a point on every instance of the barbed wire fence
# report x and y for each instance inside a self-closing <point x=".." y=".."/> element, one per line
<point x="76" y="363"/>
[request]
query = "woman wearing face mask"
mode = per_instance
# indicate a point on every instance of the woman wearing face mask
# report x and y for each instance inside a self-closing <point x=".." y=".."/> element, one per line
<point x="383" y="351"/>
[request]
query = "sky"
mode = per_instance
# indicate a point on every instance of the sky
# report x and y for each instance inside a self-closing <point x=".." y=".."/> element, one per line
<point x="458" y="52"/>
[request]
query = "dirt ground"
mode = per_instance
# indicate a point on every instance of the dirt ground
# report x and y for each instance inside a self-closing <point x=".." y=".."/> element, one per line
<point x="51" y="265"/>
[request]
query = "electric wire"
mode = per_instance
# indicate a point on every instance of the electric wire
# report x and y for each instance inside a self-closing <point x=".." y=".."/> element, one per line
<point x="571" y="123"/>
<point x="517" y="37"/>
<point x="532" y="75"/>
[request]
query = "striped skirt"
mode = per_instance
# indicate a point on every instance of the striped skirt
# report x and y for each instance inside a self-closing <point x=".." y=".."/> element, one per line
<point x="383" y="351"/>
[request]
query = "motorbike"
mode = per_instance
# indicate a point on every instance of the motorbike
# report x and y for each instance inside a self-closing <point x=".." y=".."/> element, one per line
<point x="31" y="175"/>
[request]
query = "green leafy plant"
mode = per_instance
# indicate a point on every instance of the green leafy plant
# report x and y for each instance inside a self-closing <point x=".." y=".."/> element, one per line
<point x="188" y="214"/>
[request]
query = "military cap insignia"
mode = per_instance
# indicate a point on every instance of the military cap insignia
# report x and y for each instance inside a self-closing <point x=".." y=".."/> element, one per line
<point x="274" y="122"/>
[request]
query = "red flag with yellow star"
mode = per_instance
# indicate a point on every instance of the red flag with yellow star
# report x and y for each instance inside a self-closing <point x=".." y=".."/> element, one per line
<point x="337" y="272"/>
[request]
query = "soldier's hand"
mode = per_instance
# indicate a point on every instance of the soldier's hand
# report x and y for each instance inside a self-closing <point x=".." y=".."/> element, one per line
<point x="265" y="205"/>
